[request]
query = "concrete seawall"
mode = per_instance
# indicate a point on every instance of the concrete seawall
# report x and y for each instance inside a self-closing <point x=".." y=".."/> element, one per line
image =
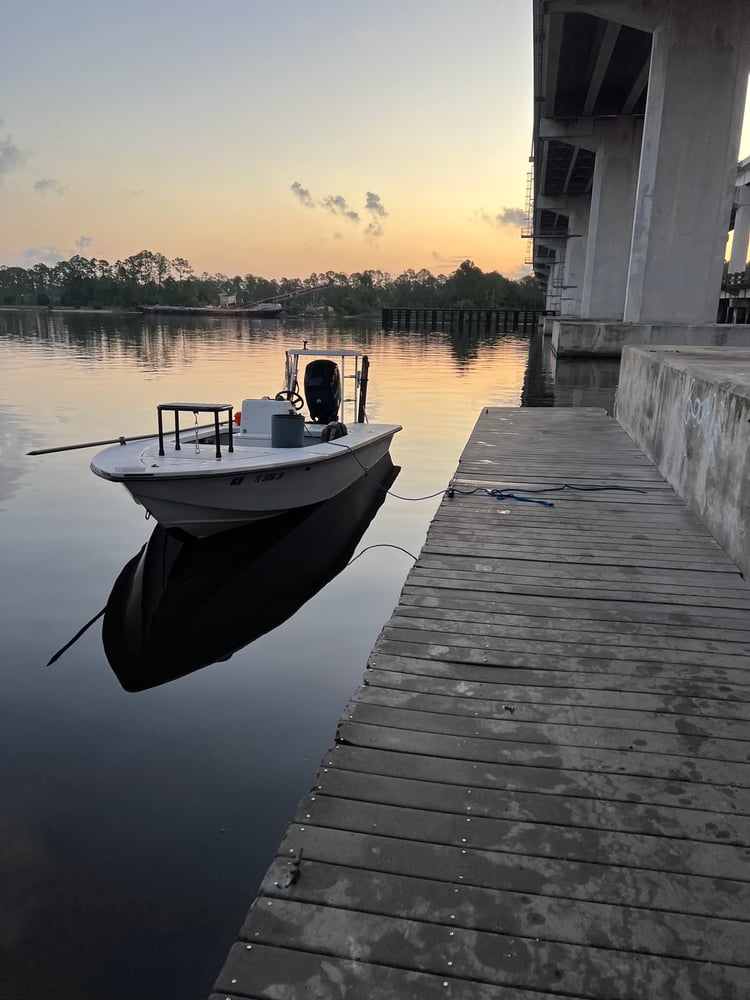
<point x="689" y="410"/>
<point x="590" y="338"/>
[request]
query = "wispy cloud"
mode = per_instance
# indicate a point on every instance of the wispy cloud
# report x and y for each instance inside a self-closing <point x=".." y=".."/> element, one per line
<point x="302" y="195"/>
<point x="48" y="185"/>
<point x="336" y="205"/>
<point x="374" y="205"/>
<point x="42" y="255"/>
<point x="507" y="217"/>
<point x="83" y="241"/>
<point x="12" y="157"/>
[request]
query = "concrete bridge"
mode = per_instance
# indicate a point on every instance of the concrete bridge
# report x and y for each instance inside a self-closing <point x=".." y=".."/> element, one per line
<point x="740" y="218"/>
<point x="734" y="306"/>
<point x="638" y="112"/>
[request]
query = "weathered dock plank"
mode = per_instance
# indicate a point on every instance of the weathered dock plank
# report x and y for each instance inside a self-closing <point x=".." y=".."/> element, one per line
<point x="594" y="644"/>
<point x="433" y="713"/>
<point x="542" y="789"/>
<point x="545" y="756"/>
<point x="617" y="631"/>
<point x="504" y="912"/>
<point x="468" y="955"/>
<point x="590" y="591"/>
<point x="659" y="733"/>
<point x="480" y="675"/>
<point x="590" y="645"/>
<point x="526" y="777"/>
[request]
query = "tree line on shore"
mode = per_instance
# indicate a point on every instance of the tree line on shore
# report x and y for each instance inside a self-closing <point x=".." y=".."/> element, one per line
<point x="149" y="278"/>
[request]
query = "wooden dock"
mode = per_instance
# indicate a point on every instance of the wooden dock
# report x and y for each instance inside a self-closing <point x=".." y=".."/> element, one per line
<point x="542" y="789"/>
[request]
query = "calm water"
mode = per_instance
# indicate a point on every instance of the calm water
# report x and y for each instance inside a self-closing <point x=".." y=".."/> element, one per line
<point x="135" y="827"/>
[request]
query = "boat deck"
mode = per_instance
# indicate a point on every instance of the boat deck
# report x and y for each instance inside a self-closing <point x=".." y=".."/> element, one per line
<point x="541" y="790"/>
<point x="251" y="453"/>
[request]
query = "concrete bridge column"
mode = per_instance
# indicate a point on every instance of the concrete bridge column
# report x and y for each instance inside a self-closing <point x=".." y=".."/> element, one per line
<point x="575" y="256"/>
<point x="557" y="267"/>
<point x="741" y="238"/>
<point x="565" y="287"/>
<point x="617" y="143"/>
<point x="696" y="97"/>
<point x="556" y="278"/>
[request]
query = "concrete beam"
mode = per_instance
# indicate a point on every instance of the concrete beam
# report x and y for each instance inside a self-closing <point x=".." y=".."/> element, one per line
<point x="605" y="46"/>
<point x="552" y="42"/>
<point x="641" y="14"/>
<point x="636" y="91"/>
<point x="571" y="168"/>
<point x="576" y="131"/>
<point x="557" y="203"/>
<point x="540" y="169"/>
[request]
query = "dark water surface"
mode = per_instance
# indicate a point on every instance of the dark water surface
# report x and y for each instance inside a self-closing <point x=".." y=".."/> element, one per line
<point x="135" y="827"/>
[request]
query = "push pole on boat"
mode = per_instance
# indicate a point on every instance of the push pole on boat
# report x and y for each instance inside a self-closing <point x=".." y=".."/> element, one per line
<point x="122" y="440"/>
<point x="362" y="409"/>
<point x="91" y="444"/>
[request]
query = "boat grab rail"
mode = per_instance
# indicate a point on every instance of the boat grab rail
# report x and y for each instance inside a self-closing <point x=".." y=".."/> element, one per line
<point x="195" y="409"/>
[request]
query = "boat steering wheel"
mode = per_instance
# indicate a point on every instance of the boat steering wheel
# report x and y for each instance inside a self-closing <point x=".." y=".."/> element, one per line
<point x="293" y="397"/>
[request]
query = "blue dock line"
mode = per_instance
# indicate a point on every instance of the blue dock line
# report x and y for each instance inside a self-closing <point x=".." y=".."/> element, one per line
<point x="511" y="493"/>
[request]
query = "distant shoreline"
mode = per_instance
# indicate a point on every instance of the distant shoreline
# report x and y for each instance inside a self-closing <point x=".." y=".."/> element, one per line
<point x="70" y="309"/>
<point x="180" y="311"/>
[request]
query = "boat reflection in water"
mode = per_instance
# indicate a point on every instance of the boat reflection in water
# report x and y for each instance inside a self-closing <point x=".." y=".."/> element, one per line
<point x="183" y="603"/>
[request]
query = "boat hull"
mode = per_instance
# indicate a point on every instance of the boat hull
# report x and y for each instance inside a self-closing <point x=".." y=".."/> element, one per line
<point x="251" y="484"/>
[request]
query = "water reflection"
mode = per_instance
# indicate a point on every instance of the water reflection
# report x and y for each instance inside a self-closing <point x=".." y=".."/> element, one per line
<point x="586" y="382"/>
<point x="538" y="386"/>
<point x="467" y="345"/>
<point x="155" y="342"/>
<point x="183" y="603"/>
<point x="164" y="342"/>
<point x="552" y="381"/>
<point x="12" y="461"/>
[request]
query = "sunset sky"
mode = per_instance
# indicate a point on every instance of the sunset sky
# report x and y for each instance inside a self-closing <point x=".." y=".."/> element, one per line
<point x="272" y="137"/>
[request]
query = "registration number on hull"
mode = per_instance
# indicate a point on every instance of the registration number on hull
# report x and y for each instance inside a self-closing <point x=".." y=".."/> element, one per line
<point x="262" y="477"/>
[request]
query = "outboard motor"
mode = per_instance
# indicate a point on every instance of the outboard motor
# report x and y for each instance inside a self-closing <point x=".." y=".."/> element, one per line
<point x="323" y="390"/>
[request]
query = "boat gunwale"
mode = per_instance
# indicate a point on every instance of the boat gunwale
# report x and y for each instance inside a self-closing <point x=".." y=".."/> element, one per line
<point x="239" y="464"/>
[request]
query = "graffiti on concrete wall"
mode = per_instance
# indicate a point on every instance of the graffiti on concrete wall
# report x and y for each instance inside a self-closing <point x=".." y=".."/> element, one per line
<point x="705" y="411"/>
